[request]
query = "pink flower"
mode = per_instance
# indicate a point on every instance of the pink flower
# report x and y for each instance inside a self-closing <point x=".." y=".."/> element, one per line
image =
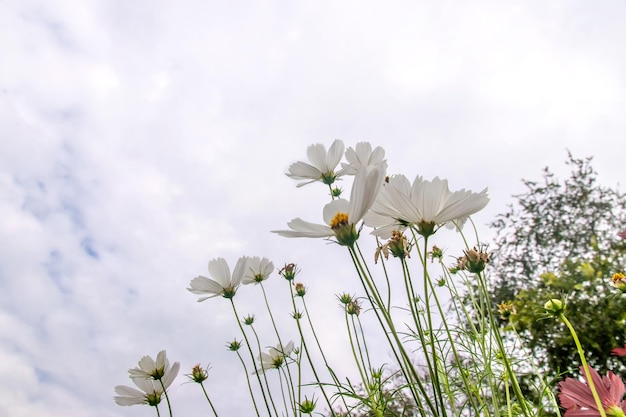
<point x="578" y="401"/>
<point x="622" y="234"/>
<point x="619" y="351"/>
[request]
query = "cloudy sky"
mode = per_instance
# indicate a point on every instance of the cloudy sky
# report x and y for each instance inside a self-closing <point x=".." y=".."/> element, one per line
<point x="140" y="139"/>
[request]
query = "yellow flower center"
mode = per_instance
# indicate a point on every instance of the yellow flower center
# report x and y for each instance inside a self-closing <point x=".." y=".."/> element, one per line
<point x="618" y="276"/>
<point x="339" y="220"/>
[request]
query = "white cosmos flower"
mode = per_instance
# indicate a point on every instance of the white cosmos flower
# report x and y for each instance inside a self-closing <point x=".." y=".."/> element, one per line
<point x="151" y="377"/>
<point x="322" y="166"/>
<point x="257" y="270"/>
<point x="275" y="358"/>
<point x="423" y="205"/>
<point x="159" y="369"/>
<point x="149" y="392"/>
<point x="222" y="282"/>
<point x="362" y="155"/>
<point x="341" y="216"/>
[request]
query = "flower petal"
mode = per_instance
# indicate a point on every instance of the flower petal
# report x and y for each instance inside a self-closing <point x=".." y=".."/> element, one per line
<point x="335" y="152"/>
<point x="301" y="228"/>
<point x="365" y="189"/>
<point x="303" y="171"/>
<point x="204" y="285"/>
<point x="331" y="209"/>
<point x="220" y="272"/>
<point x="240" y="270"/>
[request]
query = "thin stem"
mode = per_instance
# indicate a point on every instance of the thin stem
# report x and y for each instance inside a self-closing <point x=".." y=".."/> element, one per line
<point x="251" y="356"/>
<point x="356" y="358"/>
<point x="282" y="391"/>
<point x="269" y="310"/>
<point x="431" y="333"/>
<point x="404" y="362"/>
<point x="319" y="346"/>
<point x="581" y="353"/>
<point x="505" y="357"/>
<point x="208" y="399"/>
<point x="367" y="354"/>
<point x="167" y="397"/>
<point x="245" y="369"/>
<point x="267" y="385"/>
<point x="308" y="355"/>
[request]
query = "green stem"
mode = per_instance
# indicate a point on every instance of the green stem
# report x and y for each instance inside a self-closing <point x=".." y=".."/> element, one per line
<point x="356" y="358"/>
<point x="581" y="353"/>
<point x="319" y="347"/>
<point x="408" y="370"/>
<point x="267" y="385"/>
<point x="269" y="412"/>
<point x="269" y="310"/>
<point x="208" y="399"/>
<point x="167" y="397"/>
<point x="431" y="331"/>
<point x="308" y="355"/>
<point x="245" y="369"/>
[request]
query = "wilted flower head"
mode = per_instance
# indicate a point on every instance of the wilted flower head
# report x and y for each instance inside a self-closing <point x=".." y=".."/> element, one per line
<point x="577" y="399"/>
<point x="322" y="166"/>
<point x="257" y="270"/>
<point x="300" y="289"/>
<point x="475" y="260"/>
<point x="222" y="282"/>
<point x="353" y="308"/>
<point x="289" y="271"/>
<point x="341" y="216"/>
<point x="398" y="246"/>
<point x="506" y="310"/>
<point x="159" y="369"/>
<point x="275" y="357"/>
<point x="424" y="206"/>
<point x="622" y="234"/>
<point x="436" y="253"/>
<point x="362" y="155"/>
<point x="199" y="374"/>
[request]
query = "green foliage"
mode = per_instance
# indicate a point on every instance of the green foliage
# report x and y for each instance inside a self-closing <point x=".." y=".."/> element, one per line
<point x="559" y="240"/>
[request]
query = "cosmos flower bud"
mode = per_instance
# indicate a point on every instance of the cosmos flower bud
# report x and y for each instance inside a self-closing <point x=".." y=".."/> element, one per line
<point x="234" y="345"/>
<point x="307" y="406"/>
<point x="344" y="298"/>
<point x="300" y="289"/>
<point x="554" y="306"/>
